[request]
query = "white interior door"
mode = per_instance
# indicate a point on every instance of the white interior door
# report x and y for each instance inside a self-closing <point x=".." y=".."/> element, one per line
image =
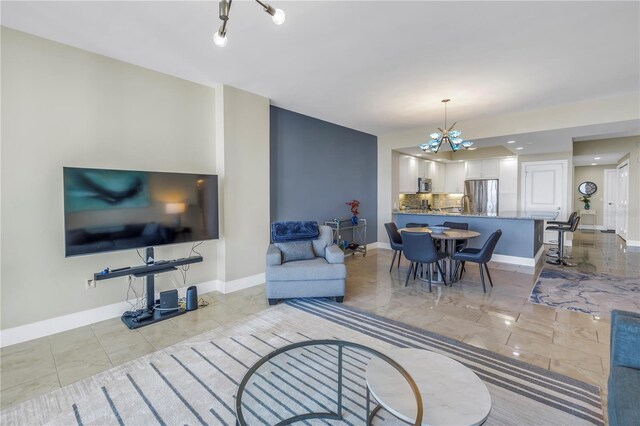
<point x="622" y="217"/>
<point x="610" y="194"/>
<point x="544" y="189"/>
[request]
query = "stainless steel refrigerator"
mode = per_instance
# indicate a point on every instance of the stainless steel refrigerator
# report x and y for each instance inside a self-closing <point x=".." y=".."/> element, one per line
<point x="482" y="196"/>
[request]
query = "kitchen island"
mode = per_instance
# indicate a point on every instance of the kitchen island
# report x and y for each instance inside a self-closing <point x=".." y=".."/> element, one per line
<point x="522" y="232"/>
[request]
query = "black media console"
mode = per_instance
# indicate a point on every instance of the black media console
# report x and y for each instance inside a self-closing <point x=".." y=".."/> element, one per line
<point x="148" y="271"/>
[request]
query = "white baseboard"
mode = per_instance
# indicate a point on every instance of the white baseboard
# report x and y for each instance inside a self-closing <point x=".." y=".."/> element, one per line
<point x="241" y="283"/>
<point x="378" y="245"/>
<point x="515" y="260"/>
<point x="590" y="227"/>
<point x="47" y="327"/>
<point x="633" y="243"/>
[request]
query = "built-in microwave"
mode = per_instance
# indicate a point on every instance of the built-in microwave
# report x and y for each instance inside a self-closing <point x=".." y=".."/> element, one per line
<point x="424" y="186"/>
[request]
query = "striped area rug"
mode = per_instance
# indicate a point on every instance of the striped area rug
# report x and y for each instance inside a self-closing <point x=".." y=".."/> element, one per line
<point x="194" y="382"/>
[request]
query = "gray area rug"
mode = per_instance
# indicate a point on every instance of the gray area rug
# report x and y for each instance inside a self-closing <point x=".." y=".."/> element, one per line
<point x="194" y="382"/>
<point x="593" y="293"/>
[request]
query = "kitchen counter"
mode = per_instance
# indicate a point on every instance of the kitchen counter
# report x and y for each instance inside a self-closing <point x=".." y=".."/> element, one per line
<point x="503" y="215"/>
<point x="522" y="232"/>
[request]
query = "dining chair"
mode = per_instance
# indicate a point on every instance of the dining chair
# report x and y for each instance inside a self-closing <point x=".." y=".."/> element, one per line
<point x="416" y="225"/>
<point x="481" y="256"/>
<point x="395" y="240"/>
<point x="419" y="249"/>
<point x="460" y="244"/>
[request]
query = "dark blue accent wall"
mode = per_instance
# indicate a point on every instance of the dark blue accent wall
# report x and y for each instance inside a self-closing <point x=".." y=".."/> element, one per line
<point x="317" y="166"/>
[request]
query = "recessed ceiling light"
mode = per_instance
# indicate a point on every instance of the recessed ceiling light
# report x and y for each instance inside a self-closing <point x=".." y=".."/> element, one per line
<point x="511" y="142"/>
<point x="596" y="158"/>
<point x="594" y="164"/>
<point x="472" y="149"/>
<point x="460" y="161"/>
<point x="519" y="147"/>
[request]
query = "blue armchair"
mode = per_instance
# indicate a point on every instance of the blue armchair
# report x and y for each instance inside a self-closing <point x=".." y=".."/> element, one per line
<point x="323" y="275"/>
<point x="624" y="378"/>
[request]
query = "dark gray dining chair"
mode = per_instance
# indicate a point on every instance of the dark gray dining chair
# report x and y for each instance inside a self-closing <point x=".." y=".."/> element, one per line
<point x="395" y="240"/>
<point x="419" y="250"/>
<point x="416" y="225"/>
<point x="481" y="256"/>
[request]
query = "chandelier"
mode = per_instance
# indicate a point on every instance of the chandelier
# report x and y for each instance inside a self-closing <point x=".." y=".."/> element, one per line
<point x="446" y="135"/>
<point x="220" y="37"/>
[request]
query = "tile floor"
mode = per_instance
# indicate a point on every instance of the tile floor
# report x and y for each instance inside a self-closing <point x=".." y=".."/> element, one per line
<point x="502" y="320"/>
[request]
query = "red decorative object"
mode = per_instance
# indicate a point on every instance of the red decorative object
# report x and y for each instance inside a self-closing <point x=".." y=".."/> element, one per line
<point x="354" y="204"/>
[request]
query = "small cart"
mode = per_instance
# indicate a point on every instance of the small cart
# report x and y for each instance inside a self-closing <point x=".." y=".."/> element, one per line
<point x="358" y="234"/>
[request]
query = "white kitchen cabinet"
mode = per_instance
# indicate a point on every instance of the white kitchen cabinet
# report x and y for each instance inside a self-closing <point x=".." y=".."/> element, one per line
<point x="482" y="169"/>
<point x="507" y="184"/>
<point x="425" y="169"/>
<point x="508" y="175"/>
<point x="438" y="177"/>
<point x="474" y="169"/>
<point x="408" y="174"/>
<point x="455" y="174"/>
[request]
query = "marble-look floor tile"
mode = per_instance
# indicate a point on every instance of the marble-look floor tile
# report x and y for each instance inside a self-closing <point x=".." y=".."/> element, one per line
<point x="72" y="339"/>
<point x="29" y="389"/>
<point x="579" y="359"/>
<point x="26" y="362"/>
<point x="580" y="344"/>
<point x="521" y="355"/>
<point x="130" y="353"/>
<point x="81" y="363"/>
<point x="113" y="340"/>
<point x="163" y="334"/>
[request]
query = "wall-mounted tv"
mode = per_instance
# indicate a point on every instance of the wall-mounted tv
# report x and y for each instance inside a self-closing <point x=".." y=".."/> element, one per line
<point x="108" y="210"/>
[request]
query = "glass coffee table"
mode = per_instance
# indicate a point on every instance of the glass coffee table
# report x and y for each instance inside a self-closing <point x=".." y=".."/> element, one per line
<point x="451" y="393"/>
<point x="316" y="379"/>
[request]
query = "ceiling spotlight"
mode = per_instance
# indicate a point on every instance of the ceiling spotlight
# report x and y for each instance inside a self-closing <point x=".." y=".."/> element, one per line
<point x="220" y="38"/>
<point x="596" y="158"/>
<point x="278" y="17"/>
<point x="594" y="164"/>
<point x="511" y="141"/>
<point x="519" y="147"/>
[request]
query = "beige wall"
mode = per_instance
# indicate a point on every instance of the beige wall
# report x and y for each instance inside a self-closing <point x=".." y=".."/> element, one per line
<point x="593" y="174"/>
<point x="62" y="106"/>
<point x="245" y="223"/>
<point x="631" y="146"/>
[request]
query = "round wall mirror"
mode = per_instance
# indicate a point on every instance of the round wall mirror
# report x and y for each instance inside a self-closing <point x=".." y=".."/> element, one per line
<point x="587" y="188"/>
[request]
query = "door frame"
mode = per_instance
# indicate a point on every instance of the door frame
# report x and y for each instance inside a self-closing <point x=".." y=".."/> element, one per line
<point x="605" y="215"/>
<point x="566" y="203"/>
<point x="618" y="167"/>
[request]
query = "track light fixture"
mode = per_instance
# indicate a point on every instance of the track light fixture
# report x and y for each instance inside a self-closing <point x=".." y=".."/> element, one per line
<point x="220" y="38"/>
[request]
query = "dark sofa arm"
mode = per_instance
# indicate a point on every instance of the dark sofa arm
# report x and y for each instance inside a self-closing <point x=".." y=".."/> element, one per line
<point x="625" y="339"/>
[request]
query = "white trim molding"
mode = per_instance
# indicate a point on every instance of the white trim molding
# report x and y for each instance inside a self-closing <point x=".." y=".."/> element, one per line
<point x="241" y="283"/>
<point x="50" y="326"/>
<point x="378" y="245"/>
<point x="633" y="243"/>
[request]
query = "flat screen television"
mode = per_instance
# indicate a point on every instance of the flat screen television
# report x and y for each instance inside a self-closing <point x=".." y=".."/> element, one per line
<point x="108" y="210"/>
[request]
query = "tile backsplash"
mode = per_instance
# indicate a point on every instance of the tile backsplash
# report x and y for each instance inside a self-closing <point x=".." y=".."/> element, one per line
<point x="436" y="201"/>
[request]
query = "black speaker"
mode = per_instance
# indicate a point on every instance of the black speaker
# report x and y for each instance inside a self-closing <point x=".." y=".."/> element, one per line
<point x="192" y="298"/>
<point x="169" y="300"/>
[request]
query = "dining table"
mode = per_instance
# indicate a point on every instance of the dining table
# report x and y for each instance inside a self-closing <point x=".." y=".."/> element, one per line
<point x="449" y="237"/>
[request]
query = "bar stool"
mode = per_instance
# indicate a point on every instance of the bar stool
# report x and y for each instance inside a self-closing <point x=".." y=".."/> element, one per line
<point x="553" y="251"/>
<point x="561" y="260"/>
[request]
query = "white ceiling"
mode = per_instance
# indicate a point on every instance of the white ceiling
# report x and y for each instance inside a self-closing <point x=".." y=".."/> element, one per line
<point x="374" y="66"/>
<point x="548" y="141"/>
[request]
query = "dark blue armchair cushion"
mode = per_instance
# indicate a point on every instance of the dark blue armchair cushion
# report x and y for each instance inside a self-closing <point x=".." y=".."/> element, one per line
<point x="625" y="339"/>
<point x="294" y="231"/>
<point x="296" y="250"/>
